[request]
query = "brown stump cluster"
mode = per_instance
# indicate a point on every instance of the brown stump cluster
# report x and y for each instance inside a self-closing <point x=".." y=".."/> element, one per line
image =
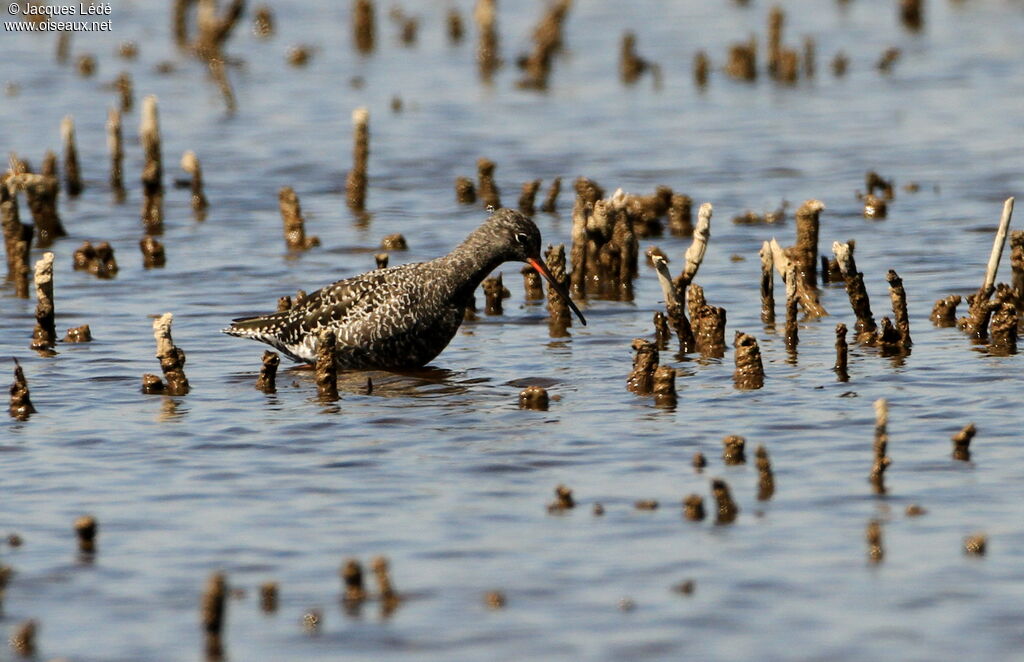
<point x="749" y="373"/>
<point x="699" y="461"/>
<point x="115" y="143"/>
<point x="887" y="61"/>
<point x="212" y="607"/>
<point x="355" y="184"/>
<point x="17" y="236"/>
<point x="766" y="478"/>
<point x="981" y="306"/>
<point x="488" y="190"/>
<point x="733" y="450"/>
<point x="363" y="27"/>
<point x="456" y="30"/>
<point x="792" y="328"/>
<point x="631" y="65"/>
<point x="78" y="334"/>
<point x="267" y="381"/>
<point x="662" y="332"/>
<point x="547" y="42"/>
<point x="742" y="62"/>
<point x="41" y="194"/>
<point x="1017" y="264"/>
<point x="675" y="290"/>
<point x="153" y="170"/>
<point x="551" y="201"/>
<point x="830" y="271"/>
<point x="680" y="215"/>
<point x="727" y="510"/>
<point x="49" y="165"/>
<point x="299" y="55"/>
<point x="873" y="535"/>
<point x="351" y="573"/>
<point x="975" y="545"/>
<point x="665" y="387"/>
<point x="1003" y="328"/>
<point x="693" y="508"/>
<point x="645" y="363"/>
<point x="294" y="224"/>
<point x="408" y="26"/>
<point x="72" y="175"/>
<point x="560" y="318"/>
<point x="125" y="92"/>
<point x="708" y="323"/>
<point x="153" y="255"/>
<point x="494" y="292"/>
<point x="810" y="56"/>
<point x="605" y="250"/>
<point x="882" y="461"/>
<point x="899" y="309"/>
<point x="840" y="64"/>
<point x="912" y="14"/>
<point x="394" y="242"/>
<point x="532" y="284"/>
<point x="865" y="327"/>
<point x="767" y="284"/>
<point x="563" y="500"/>
<point x="268" y="597"/>
<point x="20" y="407"/>
<point x="842" y="354"/>
<point x="876" y="206"/>
<point x="172" y="362"/>
<point x="802" y="260"/>
<point x="388" y="596"/>
<point x="944" y="311"/>
<point x="534" y="397"/>
<point x="465" y="191"/>
<point x="44" y="335"/>
<point x="327" y="367"/>
<point x="488" y="57"/>
<point x="23" y="639"/>
<point x="962" y="442"/>
<point x="528" y="197"/>
<point x="494" y="600"/>
<point x="85" y="64"/>
<point x="263" y="22"/>
<point x="805" y="252"/>
<point x="97" y="260"/>
<point x="86" y="528"/>
<point x="701" y="67"/>
<point x="783" y="62"/>
<point x="190" y="164"/>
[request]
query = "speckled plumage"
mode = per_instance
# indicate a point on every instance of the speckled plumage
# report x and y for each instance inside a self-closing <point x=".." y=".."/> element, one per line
<point x="400" y="317"/>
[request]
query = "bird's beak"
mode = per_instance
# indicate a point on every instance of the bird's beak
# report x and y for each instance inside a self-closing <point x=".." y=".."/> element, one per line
<point x="542" y="268"/>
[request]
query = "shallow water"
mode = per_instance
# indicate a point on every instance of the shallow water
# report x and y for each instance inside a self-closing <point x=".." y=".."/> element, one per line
<point x="442" y="472"/>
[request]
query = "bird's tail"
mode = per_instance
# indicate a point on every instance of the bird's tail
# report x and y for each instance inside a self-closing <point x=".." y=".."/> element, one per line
<point x="260" y="327"/>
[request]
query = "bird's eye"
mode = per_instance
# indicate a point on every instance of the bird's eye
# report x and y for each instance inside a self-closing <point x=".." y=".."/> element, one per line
<point x="521" y="238"/>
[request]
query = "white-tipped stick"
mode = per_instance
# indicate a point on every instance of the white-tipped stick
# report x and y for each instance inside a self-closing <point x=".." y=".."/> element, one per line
<point x="997" y="248"/>
<point x="664" y="279"/>
<point x="695" y="253"/>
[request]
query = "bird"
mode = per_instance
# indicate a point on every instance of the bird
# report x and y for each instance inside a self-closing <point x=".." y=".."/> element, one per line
<point x="402" y="317"/>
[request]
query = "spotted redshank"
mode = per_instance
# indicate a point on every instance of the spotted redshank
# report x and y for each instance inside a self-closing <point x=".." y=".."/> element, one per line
<point x="404" y="316"/>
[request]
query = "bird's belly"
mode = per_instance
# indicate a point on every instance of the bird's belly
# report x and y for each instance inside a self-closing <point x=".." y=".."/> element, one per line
<point x="378" y="347"/>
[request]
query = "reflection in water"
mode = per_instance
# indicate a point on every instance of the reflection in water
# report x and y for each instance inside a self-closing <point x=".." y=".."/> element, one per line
<point x="427" y="382"/>
<point x="171" y="409"/>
